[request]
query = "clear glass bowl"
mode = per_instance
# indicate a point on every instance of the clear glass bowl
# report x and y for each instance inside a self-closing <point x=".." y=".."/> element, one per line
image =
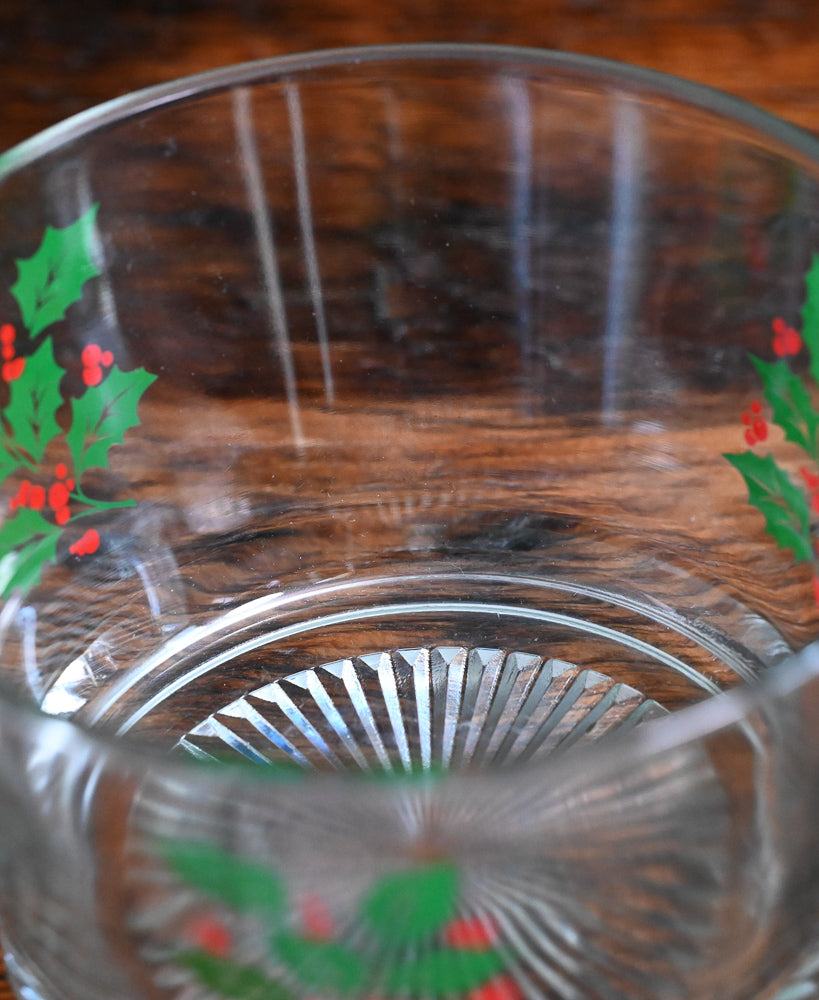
<point x="429" y="415"/>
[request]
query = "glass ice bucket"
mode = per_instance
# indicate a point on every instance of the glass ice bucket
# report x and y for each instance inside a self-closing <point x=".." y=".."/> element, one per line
<point x="409" y="480"/>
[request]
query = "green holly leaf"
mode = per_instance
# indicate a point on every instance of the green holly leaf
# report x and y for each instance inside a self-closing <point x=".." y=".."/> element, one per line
<point x="810" y="316"/>
<point x="231" y="979"/>
<point x="240" y="884"/>
<point x="790" y="402"/>
<point x="8" y="462"/>
<point x="783" y="505"/>
<point x="444" y="972"/>
<point x="320" y="966"/>
<point x="24" y="527"/>
<point x="52" y="278"/>
<point x="22" y="570"/>
<point x="27" y="543"/>
<point x="408" y="906"/>
<point x="34" y="399"/>
<point x="102" y="415"/>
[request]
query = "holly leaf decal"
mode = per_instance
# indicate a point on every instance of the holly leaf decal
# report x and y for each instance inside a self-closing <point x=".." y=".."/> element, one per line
<point x="321" y="966"/>
<point x="790" y="403"/>
<point x="34" y="400"/>
<point x="52" y="278"/>
<point x="408" y="906"/>
<point x="237" y="882"/>
<point x="102" y="415"/>
<point x="810" y="316"/>
<point x="444" y="973"/>
<point x="47" y="284"/>
<point x="232" y="979"/>
<point x="8" y="461"/>
<point x="782" y="504"/>
<point x="34" y="541"/>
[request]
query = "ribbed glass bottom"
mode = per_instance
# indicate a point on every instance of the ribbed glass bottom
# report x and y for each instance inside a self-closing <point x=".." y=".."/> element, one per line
<point x="548" y="882"/>
<point x="409" y="709"/>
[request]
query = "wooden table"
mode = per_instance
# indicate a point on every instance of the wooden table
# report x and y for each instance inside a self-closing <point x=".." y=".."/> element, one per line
<point x="57" y="59"/>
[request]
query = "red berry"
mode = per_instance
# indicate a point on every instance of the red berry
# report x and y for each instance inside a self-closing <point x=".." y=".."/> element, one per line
<point x="760" y="429"/>
<point x="746" y="418"/>
<point x="62" y="515"/>
<point x="811" y="478"/>
<point x="756" y="407"/>
<point x="316" y="920"/>
<point x="37" y="498"/>
<point x="91" y="355"/>
<point x="474" y="934"/>
<point x="750" y="437"/>
<point x="7" y="334"/>
<point x="60" y="470"/>
<point x="816" y="589"/>
<point x="12" y="370"/>
<point x="85" y="546"/>
<point x="211" y="936"/>
<point x="57" y="496"/>
<point x="92" y="375"/>
<point x="20" y="499"/>
<point x="69" y="483"/>
<point x="106" y="359"/>
<point x="786" y="340"/>
<point x="500" y="988"/>
<point x="778" y="324"/>
<point x="7" y="352"/>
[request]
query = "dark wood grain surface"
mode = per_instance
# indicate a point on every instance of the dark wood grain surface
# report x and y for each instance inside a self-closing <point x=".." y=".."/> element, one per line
<point x="58" y="59"/>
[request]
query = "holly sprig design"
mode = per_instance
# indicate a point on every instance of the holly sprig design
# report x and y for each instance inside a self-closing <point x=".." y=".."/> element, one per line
<point x="407" y="937"/>
<point x="49" y="440"/>
<point x="787" y="506"/>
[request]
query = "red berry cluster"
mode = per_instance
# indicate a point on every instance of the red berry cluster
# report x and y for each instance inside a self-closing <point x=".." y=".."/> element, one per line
<point x="208" y="932"/>
<point x="756" y="427"/>
<point x="88" y="544"/>
<point x="59" y="494"/>
<point x="94" y="359"/>
<point x="13" y="366"/>
<point x="786" y="340"/>
<point x="34" y="496"/>
<point x="30" y="495"/>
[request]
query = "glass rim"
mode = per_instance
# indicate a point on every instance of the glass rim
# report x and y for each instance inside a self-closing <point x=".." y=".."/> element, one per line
<point x="717" y="711"/>
<point x="687" y="92"/>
